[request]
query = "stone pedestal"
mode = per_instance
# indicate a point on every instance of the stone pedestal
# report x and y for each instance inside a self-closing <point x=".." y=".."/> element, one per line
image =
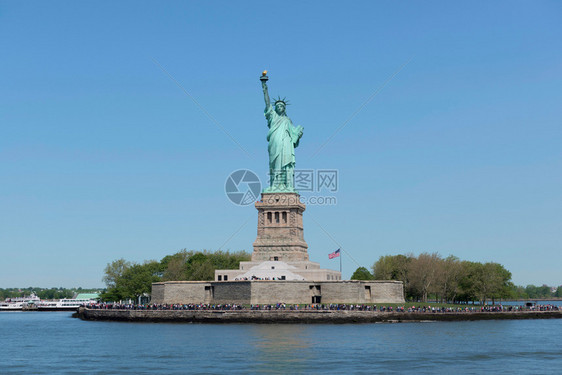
<point x="280" y="251"/>
<point x="280" y="229"/>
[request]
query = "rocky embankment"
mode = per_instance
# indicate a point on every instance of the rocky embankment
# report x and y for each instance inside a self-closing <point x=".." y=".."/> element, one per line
<point x="307" y="316"/>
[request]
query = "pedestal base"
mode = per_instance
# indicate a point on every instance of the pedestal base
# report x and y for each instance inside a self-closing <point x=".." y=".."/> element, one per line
<point x="280" y="229"/>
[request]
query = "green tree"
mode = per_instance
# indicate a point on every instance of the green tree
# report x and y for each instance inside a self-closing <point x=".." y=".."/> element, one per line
<point x="538" y="291"/>
<point x="55" y="293"/>
<point x="486" y="281"/>
<point x="392" y="267"/>
<point x="449" y="276"/>
<point x="545" y="291"/>
<point x="114" y="271"/>
<point x="225" y="260"/>
<point x="126" y="280"/>
<point x="135" y="281"/>
<point x="202" y="265"/>
<point x="519" y="292"/>
<point x="500" y="281"/>
<point x="199" y="267"/>
<point x="361" y="273"/>
<point x="468" y="284"/>
<point x="422" y="274"/>
<point x="175" y="266"/>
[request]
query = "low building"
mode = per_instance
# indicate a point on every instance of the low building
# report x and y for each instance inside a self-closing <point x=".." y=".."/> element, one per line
<point x="277" y="291"/>
<point x="278" y="270"/>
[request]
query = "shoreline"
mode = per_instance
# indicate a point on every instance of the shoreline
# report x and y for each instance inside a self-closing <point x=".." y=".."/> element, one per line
<point x="306" y="317"/>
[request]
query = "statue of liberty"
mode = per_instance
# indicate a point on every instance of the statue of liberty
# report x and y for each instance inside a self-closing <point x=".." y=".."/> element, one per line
<point x="283" y="137"/>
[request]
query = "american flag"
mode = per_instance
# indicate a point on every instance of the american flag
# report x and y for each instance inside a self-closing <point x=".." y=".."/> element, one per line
<point x="335" y="254"/>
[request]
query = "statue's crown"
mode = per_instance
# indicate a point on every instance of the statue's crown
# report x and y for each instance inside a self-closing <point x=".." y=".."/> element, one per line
<point x="284" y="101"/>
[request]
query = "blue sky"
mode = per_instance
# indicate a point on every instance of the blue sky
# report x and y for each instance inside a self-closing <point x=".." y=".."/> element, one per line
<point x="103" y="156"/>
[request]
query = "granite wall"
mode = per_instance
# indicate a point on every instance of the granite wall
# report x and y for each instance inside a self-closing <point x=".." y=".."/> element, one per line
<point x="311" y="316"/>
<point x="271" y="292"/>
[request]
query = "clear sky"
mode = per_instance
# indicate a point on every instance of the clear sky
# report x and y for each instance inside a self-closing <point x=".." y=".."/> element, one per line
<point x="103" y="155"/>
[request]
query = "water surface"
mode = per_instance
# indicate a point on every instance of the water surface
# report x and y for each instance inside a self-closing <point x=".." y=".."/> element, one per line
<point x="53" y="342"/>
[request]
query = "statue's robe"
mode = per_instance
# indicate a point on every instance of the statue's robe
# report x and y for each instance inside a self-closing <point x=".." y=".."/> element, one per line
<point x="283" y="137"/>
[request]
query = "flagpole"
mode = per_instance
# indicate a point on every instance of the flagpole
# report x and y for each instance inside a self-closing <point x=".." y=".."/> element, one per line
<point x="340" y="262"/>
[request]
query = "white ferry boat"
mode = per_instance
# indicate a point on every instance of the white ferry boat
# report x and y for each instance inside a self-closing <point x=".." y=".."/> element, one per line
<point x="64" y="304"/>
<point x="18" y="303"/>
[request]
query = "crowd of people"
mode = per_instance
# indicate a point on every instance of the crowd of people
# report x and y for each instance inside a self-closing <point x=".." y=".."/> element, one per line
<point x="326" y="307"/>
<point x="258" y="278"/>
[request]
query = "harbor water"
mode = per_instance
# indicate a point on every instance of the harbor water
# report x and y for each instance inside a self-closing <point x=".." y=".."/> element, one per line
<point x="56" y="343"/>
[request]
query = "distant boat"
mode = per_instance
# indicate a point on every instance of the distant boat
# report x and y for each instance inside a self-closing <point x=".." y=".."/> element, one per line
<point x="18" y="303"/>
<point x="65" y="304"/>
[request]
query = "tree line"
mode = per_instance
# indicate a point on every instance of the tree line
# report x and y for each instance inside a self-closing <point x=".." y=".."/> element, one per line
<point x="427" y="276"/>
<point x="537" y="292"/>
<point x="430" y="276"/>
<point x="43" y="293"/>
<point x="129" y="280"/>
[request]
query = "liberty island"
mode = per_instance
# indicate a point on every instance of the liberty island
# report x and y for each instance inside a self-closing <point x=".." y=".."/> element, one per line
<point x="280" y="269"/>
<point x="280" y="278"/>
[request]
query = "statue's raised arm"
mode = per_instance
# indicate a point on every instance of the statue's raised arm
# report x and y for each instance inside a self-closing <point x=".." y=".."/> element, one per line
<point x="263" y="80"/>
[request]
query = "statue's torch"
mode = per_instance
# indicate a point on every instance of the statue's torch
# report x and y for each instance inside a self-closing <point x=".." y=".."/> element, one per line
<point x="264" y="76"/>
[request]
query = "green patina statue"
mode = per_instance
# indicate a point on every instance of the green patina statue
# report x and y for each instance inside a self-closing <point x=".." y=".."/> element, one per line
<point x="283" y="137"/>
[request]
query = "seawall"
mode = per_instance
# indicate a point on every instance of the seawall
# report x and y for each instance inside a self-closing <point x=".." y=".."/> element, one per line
<point x="305" y="316"/>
